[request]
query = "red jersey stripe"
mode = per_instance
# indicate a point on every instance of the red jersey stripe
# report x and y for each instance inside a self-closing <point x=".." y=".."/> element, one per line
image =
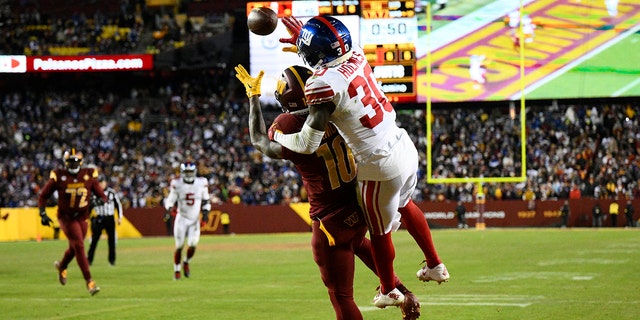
<point x="370" y="191"/>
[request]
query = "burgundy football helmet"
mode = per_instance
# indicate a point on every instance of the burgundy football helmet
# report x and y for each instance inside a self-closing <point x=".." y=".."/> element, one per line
<point x="290" y="89"/>
<point x="72" y="160"/>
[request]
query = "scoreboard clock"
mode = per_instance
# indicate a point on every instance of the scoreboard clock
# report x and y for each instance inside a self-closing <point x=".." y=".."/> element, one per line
<point x="386" y="30"/>
<point x="394" y="65"/>
<point x="388" y="33"/>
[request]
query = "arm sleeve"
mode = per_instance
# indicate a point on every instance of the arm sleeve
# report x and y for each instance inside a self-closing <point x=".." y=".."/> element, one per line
<point x="97" y="190"/>
<point x="118" y="206"/>
<point x="306" y="141"/>
<point x="206" y="199"/>
<point x="46" y="192"/>
<point x="171" y="199"/>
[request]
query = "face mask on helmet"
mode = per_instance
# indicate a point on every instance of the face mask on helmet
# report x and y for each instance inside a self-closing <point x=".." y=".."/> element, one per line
<point x="188" y="172"/>
<point x="322" y="40"/>
<point x="72" y="160"/>
<point x="290" y="89"/>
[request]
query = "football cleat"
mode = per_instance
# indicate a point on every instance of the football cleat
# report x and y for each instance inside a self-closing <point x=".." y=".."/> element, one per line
<point x="92" y="287"/>
<point x="410" y="307"/>
<point x="393" y="298"/>
<point x="176" y="275"/>
<point x="62" y="273"/>
<point x="438" y="273"/>
<point x="185" y="269"/>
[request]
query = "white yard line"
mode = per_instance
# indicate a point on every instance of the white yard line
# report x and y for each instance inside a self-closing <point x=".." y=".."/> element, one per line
<point x="576" y="62"/>
<point x="625" y="88"/>
<point x="473" y="300"/>
<point x="468" y="24"/>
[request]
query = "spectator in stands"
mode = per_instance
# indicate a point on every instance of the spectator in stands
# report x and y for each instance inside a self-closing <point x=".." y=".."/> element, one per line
<point x="575" y="192"/>
<point x="598" y="145"/>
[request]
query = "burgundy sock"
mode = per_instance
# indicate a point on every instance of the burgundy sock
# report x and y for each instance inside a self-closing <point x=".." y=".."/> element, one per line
<point x="190" y="252"/>
<point x="177" y="255"/>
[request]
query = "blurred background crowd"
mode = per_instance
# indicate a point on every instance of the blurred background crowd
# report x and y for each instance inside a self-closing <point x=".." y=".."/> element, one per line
<point x="138" y="140"/>
<point x="138" y="128"/>
<point x="71" y="27"/>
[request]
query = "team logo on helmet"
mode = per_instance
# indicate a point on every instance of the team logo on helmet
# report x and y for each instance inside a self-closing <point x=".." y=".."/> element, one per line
<point x="305" y="36"/>
<point x="72" y="160"/>
<point x="290" y="89"/>
<point x="188" y="172"/>
<point x="323" y="40"/>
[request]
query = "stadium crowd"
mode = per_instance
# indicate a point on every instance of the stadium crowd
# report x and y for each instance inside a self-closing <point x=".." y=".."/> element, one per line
<point x="105" y="27"/>
<point x="138" y="130"/>
<point x="138" y="139"/>
<point x="32" y="30"/>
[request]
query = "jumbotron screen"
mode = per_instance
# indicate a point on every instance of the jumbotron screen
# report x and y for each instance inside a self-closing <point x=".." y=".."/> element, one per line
<point x="483" y="50"/>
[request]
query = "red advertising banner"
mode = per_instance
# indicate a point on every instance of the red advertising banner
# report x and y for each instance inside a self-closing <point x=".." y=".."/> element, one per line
<point x="23" y="64"/>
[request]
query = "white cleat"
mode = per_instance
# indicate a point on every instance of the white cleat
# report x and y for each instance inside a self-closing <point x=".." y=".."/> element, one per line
<point x="438" y="273"/>
<point x="392" y="299"/>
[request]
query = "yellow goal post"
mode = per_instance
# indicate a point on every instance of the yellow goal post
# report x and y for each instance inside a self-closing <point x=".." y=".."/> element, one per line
<point x="522" y="177"/>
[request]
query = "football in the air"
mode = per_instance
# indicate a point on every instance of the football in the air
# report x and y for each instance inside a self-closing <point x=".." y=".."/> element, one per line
<point x="262" y="21"/>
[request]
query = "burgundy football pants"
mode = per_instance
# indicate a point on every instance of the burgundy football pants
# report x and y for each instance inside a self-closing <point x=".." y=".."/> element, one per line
<point x="75" y="230"/>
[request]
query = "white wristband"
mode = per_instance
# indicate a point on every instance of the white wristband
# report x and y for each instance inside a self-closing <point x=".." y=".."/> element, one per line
<point x="306" y="141"/>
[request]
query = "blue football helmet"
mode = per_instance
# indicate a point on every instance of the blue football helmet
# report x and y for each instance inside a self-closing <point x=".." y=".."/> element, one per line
<point x="188" y="172"/>
<point x="322" y="40"/>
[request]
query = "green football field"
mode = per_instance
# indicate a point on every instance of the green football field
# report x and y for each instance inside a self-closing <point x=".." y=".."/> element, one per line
<point x="595" y="70"/>
<point x="614" y="72"/>
<point x="495" y="274"/>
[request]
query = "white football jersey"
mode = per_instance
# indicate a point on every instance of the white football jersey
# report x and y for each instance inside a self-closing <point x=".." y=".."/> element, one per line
<point x="363" y="115"/>
<point x="191" y="197"/>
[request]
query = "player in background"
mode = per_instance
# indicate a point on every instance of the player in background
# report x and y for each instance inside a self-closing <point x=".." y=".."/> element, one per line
<point x="612" y="7"/>
<point x="513" y="20"/>
<point x="75" y="186"/>
<point x="105" y="219"/>
<point x="477" y="70"/>
<point x="338" y="227"/>
<point x="442" y="4"/>
<point x="343" y="90"/>
<point x="528" y="28"/>
<point x="191" y="194"/>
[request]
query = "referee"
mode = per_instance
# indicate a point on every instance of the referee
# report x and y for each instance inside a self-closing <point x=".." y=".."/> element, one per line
<point x="104" y="219"/>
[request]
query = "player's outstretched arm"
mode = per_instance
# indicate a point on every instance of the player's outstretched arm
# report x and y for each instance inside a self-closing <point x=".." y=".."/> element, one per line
<point x="258" y="131"/>
<point x="293" y="27"/>
<point x="257" y="127"/>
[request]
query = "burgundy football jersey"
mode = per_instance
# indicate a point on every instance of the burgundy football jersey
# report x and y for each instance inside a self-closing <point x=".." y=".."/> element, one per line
<point x="74" y="192"/>
<point x="329" y="174"/>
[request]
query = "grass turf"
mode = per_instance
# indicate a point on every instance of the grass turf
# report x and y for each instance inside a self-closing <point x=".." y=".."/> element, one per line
<point x="495" y="274"/>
